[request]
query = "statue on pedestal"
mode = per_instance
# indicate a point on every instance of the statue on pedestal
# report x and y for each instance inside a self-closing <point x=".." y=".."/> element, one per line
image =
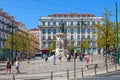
<point x="61" y="26"/>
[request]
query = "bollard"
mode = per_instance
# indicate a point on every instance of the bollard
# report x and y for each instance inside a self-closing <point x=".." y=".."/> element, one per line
<point x="107" y="68"/>
<point x="67" y="74"/>
<point x="95" y="70"/>
<point x="52" y="75"/>
<point x="13" y="77"/>
<point x="115" y="67"/>
<point x="82" y="72"/>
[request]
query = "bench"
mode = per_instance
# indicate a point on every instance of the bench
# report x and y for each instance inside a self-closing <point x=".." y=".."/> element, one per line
<point x="91" y="66"/>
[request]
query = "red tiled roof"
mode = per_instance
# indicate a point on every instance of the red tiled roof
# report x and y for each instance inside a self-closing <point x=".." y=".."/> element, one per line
<point x="72" y="15"/>
<point x="34" y="29"/>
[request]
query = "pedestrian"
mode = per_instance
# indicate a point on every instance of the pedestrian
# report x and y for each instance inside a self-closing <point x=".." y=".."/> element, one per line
<point x="8" y="67"/>
<point x="28" y="59"/>
<point x="54" y="59"/>
<point x="60" y="58"/>
<point x="91" y="58"/>
<point x="17" y="65"/>
<point x="46" y="58"/>
<point x="87" y="58"/>
<point x="80" y="57"/>
<point x="67" y="57"/>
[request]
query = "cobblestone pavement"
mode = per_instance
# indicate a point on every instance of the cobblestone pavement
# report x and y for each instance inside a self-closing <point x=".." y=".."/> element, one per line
<point x="41" y="70"/>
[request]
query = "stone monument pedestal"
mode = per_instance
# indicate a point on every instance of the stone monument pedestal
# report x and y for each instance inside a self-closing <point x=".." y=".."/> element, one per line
<point x="61" y="44"/>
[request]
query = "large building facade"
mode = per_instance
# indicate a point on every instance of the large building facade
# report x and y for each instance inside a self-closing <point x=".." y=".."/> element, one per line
<point x="8" y="26"/>
<point x="35" y="32"/>
<point x="78" y="27"/>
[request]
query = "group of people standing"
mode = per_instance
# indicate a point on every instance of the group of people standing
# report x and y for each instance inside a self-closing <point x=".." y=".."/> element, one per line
<point x="9" y="65"/>
<point x="88" y="58"/>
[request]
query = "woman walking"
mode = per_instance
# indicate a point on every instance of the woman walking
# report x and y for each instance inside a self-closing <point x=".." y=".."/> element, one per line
<point x="17" y="65"/>
<point x="8" y="67"/>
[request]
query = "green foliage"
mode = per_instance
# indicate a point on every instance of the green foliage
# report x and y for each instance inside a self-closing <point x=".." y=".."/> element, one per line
<point x="22" y="41"/>
<point x="84" y="44"/>
<point x="105" y="34"/>
<point x="52" y="46"/>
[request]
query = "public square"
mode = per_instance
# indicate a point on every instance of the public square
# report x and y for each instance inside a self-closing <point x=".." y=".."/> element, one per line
<point x="41" y="70"/>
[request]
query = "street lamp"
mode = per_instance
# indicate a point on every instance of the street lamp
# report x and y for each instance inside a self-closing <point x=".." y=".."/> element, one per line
<point x="12" y="41"/>
<point x="74" y="61"/>
<point x="117" y="55"/>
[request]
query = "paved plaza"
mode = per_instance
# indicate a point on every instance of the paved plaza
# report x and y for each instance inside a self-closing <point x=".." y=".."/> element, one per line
<point x="41" y="70"/>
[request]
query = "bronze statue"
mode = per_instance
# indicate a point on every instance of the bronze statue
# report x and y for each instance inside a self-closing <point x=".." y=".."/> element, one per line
<point x="62" y="26"/>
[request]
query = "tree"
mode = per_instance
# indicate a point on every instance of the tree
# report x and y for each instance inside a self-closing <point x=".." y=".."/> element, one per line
<point x="52" y="46"/>
<point x="71" y="47"/>
<point x="84" y="44"/>
<point x="22" y="41"/>
<point x="105" y="32"/>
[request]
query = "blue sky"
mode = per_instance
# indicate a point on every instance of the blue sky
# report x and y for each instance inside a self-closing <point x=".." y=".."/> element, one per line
<point x="29" y="11"/>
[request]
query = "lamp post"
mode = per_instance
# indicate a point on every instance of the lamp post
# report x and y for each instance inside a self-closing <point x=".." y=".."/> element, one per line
<point x="75" y="45"/>
<point x="75" y="40"/>
<point x="74" y="64"/>
<point x="12" y="41"/>
<point x="117" y="55"/>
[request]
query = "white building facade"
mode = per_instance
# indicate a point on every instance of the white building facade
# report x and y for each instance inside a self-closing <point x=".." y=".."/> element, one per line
<point x="78" y="27"/>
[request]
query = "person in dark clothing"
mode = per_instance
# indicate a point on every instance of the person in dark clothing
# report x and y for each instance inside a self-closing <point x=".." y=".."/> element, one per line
<point x="8" y="67"/>
<point x="46" y="58"/>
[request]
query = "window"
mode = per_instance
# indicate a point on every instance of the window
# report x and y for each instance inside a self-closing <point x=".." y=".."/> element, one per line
<point x="78" y="31"/>
<point x="43" y="31"/>
<point x="54" y="37"/>
<point x="78" y="43"/>
<point x="88" y="31"/>
<point x="78" y="23"/>
<point x="54" y="31"/>
<point x="78" y="37"/>
<point x="43" y="38"/>
<point x="65" y="31"/>
<point x="98" y="22"/>
<point x="93" y="30"/>
<point x="93" y="22"/>
<point x="43" y="23"/>
<point x="65" y="23"/>
<point x="71" y="37"/>
<point x="88" y="23"/>
<point x="83" y="36"/>
<point x="93" y="37"/>
<point x="49" y="38"/>
<point x="49" y="24"/>
<point x="49" y="31"/>
<point x="88" y="36"/>
<point x="71" y="24"/>
<point x="82" y="23"/>
<point x="59" y="23"/>
<point x="93" y="43"/>
<point x="71" y="31"/>
<point x="43" y="45"/>
<point x="54" y="23"/>
<point x="83" y="31"/>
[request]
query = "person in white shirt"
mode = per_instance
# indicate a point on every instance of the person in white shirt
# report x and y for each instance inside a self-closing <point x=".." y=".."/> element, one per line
<point x="17" y="65"/>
